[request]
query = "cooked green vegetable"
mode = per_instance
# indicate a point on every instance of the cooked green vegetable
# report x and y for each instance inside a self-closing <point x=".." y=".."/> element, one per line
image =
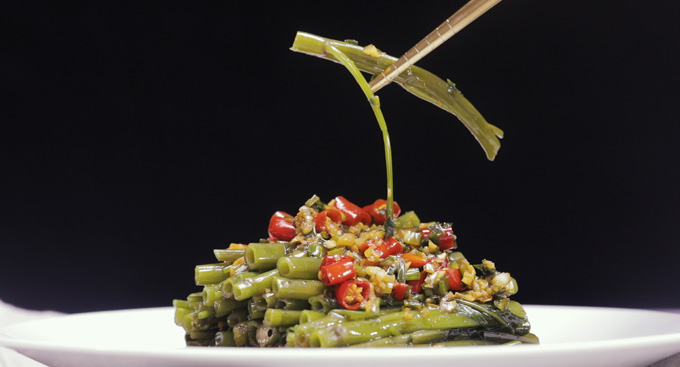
<point x="298" y="267"/>
<point x="418" y="81"/>
<point x="278" y="317"/>
<point x="228" y="255"/>
<point x="301" y="289"/>
<point x="263" y="256"/>
<point x="211" y="273"/>
<point x="374" y="101"/>
<point x="337" y="274"/>
<point x="395" y="323"/>
<point x="248" y="287"/>
<point x="405" y="290"/>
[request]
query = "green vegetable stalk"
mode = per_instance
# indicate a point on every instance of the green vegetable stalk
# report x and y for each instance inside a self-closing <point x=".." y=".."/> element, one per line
<point x="375" y="105"/>
<point x="417" y="81"/>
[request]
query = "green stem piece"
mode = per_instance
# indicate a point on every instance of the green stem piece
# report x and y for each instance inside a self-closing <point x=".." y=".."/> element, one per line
<point x="374" y="101"/>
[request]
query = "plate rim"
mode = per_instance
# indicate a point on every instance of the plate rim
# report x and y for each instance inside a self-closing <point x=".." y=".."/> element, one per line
<point x="198" y="353"/>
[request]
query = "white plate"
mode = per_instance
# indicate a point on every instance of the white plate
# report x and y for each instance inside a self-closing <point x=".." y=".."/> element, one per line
<point x="570" y="336"/>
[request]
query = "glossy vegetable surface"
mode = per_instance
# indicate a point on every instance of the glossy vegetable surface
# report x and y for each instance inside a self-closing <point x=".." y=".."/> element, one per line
<point x="417" y="81"/>
<point x="368" y="288"/>
<point x="378" y="211"/>
<point x="336" y="269"/>
<point x="281" y="226"/>
<point x="352" y="212"/>
<point x="326" y="218"/>
<point x="353" y="294"/>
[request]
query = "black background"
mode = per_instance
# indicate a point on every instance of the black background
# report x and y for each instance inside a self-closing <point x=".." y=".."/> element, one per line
<point x="138" y="137"/>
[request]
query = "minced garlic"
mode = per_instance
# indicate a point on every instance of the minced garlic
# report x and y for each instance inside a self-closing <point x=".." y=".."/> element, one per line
<point x="373" y="51"/>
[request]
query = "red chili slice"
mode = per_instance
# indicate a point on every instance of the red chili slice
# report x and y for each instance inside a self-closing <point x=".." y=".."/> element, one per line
<point x="378" y="210"/>
<point x="281" y="226"/>
<point x="446" y="241"/>
<point x="391" y="247"/>
<point x="353" y="294"/>
<point x="336" y="269"/>
<point x="332" y="259"/>
<point x="417" y="285"/>
<point x="455" y="279"/>
<point x="399" y="291"/>
<point x="353" y="213"/>
<point x="321" y="219"/>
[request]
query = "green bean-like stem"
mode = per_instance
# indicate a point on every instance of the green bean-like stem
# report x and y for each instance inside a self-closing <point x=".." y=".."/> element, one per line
<point x="263" y="256"/>
<point x="277" y="317"/>
<point x="225" y="306"/>
<point x="211" y="273"/>
<point x="298" y="267"/>
<point x="228" y="255"/>
<point x="303" y="330"/>
<point x="228" y="284"/>
<point x="188" y="322"/>
<point x="181" y="313"/>
<point x="195" y="299"/>
<point x="245" y="333"/>
<point x="323" y="303"/>
<point x="249" y="287"/>
<point x="267" y="336"/>
<point x="237" y="316"/>
<point x="201" y="335"/>
<point x="181" y="303"/>
<point x="269" y="298"/>
<point x="353" y="315"/>
<point x="260" y="302"/>
<point x="309" y="315"/>
<point x="211" y="293"/>
<point x="374" y="101"/>
<point x="254" y="313"/>
<point x="418" y="337"/>
<point x="353" y="332"/>
<point x="291" y="304"/>
<point x="301" y="289"/>
<point x="224" y="339"/>
<point x="205" y="313"/>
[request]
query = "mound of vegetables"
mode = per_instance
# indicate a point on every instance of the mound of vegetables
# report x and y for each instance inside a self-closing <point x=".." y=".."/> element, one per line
<point x="333" y="275"/>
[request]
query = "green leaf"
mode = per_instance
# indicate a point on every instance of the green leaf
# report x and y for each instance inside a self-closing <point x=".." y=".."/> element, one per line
<point x="417" y="81"/>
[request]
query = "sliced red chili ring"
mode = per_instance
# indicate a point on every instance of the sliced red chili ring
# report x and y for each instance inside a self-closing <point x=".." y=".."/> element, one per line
<point x="353" y="294"/>
<point x="390" y="247"/>
<point x="281" y="226"/>
<point x="353" y="213"/>
<point x="336" y="269"/>
<point x="321" y="219"/>
<point x="378" y="210"/>
<point x="399" y="291"/>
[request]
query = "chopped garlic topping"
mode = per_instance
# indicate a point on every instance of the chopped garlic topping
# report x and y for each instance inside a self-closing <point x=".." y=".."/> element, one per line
<point x="373" y="51"/>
